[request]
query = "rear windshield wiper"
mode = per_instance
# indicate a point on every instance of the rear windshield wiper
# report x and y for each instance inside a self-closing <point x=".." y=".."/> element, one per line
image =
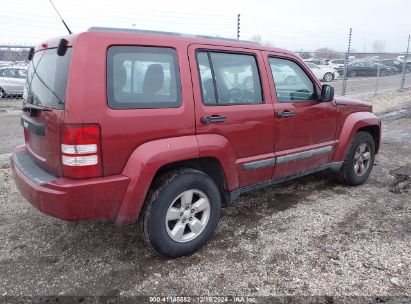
<point x="28" y="107"/>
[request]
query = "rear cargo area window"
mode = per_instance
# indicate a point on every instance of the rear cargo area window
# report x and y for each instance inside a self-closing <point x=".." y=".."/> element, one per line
<point x="142" y="78"/>
<point x="46" y="80"/>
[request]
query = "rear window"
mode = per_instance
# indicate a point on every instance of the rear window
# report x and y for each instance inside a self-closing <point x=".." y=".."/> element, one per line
<point x="142" y="77"/>
<point x="46" y="80"/>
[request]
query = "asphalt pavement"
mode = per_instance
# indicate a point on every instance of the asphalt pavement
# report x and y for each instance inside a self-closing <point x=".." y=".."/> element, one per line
<point x="362" y="86"/>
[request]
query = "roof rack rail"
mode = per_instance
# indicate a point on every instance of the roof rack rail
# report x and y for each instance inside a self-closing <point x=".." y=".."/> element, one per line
<point x="138" y="31"/>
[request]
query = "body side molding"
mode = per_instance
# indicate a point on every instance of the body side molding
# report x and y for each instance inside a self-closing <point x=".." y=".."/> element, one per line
<point x="233" y="195"/>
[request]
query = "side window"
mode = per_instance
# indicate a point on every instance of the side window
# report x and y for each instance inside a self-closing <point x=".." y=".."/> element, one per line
<point x="228" y="78"/>
<point x="142" y="77"/>
<point x="291" y="82"/>
<point x="206" y="77"/>
<point x="21" y="73"/>
<point x="7" y="73"/>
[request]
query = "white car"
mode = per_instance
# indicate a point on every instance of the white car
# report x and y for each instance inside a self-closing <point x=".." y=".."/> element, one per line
<point x="323" y="73"/>
<point x="336" y="63"/>
<point x="12" y="81"/>
<point x="319" y="62"/>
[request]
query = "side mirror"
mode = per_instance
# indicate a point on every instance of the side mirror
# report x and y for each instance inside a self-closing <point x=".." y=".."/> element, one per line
<point x="327" y="93"/>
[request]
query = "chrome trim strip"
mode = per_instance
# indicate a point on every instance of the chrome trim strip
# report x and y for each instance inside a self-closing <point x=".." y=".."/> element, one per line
<point x="259" y="164"/>
<point x="236" y="193"/>
<point x="304" y="154"/>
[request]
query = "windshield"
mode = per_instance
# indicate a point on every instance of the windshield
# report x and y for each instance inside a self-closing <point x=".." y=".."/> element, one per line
<point x="47" y="79"/>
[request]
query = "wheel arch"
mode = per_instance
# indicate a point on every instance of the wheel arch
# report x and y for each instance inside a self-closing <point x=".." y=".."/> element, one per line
<point x="330" y="73"/>
<point x="209" y="165"/>
<point x="354" y="123"/>
<point x="374" y="130"/>
<point x="210" y="153"/>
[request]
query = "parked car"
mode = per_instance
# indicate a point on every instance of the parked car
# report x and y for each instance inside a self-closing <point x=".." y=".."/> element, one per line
<point x="323" y="73"/>
<point x="319" y="62"/>
<point x="390" y="70"/>
<point x="5" y="63"/>
<point x="392" y="63"/>
<point x="336" y="64"/>
<point x="12" y="81"/>
<point x="368" y="68"/>
<point x="167" y="129"/>
<point x="397" y="64"/>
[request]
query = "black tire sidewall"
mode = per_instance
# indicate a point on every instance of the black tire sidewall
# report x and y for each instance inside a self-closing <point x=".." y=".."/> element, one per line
<point x="325" y="77"/>
<point x="155" y="225"/>
<point x="361" y="137"/>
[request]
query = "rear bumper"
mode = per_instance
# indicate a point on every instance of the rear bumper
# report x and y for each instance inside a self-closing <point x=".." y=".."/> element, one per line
<point x="68" y="199"/>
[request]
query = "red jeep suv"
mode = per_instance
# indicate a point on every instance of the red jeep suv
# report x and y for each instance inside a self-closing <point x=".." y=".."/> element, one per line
<point x="125" y="125"/>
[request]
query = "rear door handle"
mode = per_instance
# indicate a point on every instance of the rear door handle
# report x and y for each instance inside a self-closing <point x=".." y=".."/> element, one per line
<point x="285" y="113"/>
<point x="212" y="119"/>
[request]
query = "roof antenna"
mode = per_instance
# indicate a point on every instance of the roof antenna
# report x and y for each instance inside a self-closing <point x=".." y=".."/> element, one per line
<point x="61" y="18"/>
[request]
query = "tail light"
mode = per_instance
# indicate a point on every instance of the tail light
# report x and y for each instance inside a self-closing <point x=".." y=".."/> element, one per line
<point x="81" y="150"/>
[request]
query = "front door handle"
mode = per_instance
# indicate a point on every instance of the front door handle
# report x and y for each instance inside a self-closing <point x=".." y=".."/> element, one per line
<point x="286" y="113"/>
<point x="212" y="119"/>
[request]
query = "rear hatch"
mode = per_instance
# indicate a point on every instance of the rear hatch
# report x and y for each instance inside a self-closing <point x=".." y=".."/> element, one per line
<point x="43" y="106"/>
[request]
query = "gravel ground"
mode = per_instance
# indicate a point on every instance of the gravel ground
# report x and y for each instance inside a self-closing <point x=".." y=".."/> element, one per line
<point x="308" y="237"/>
<point x="390" y="101"/>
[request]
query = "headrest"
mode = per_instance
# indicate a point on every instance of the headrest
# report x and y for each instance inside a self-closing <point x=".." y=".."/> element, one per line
<point x="154" y="79"/>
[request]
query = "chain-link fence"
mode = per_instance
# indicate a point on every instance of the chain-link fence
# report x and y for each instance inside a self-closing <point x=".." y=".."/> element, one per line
<point x="366" y="73"/>
<point x="13" y="71"/>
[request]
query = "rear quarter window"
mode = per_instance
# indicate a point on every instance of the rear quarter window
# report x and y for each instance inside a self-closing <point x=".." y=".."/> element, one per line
<point x="142" y="78"/>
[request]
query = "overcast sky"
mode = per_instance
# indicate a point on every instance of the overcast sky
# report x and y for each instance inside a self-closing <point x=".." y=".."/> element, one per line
<point x="290" y="24"/>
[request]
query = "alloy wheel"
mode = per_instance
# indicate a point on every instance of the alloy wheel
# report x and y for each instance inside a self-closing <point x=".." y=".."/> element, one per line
<point x="187" y="215"/>
<point x="362" y="159"/>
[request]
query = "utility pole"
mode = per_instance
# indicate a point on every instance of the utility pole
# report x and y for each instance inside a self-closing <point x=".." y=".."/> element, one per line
<point x="344" y="86"/>
<point x="238" y="27"/>
<point x="378" y="75"/>
<point x="404" y="65"/>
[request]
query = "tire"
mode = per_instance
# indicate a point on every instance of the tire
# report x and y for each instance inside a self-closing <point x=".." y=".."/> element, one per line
<point x="351" y="172"/>
<point x="383" y="73"/>
<point x="165" y="214"/>
<point x="328" y="77"/>
<point x="2" y="93"/>
<point x="352" y="73"/>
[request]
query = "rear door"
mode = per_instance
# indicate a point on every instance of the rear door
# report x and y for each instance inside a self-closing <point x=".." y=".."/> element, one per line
<point x="20" y="79"/>
<point x="44" y="98"/>
<point x="232" y="101"/>
<point x="7" y="80"/>
<point x="305" y="127"/>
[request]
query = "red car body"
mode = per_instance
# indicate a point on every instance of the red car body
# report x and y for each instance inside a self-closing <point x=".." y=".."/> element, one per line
<point x="135" y="145"/>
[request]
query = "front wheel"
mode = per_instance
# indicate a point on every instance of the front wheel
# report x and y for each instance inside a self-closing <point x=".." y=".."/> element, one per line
<point x="182" y="212"/>
<point x="352" y="73"/>
<point x="359" y="160"/>
<point x="328" y="77"/>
